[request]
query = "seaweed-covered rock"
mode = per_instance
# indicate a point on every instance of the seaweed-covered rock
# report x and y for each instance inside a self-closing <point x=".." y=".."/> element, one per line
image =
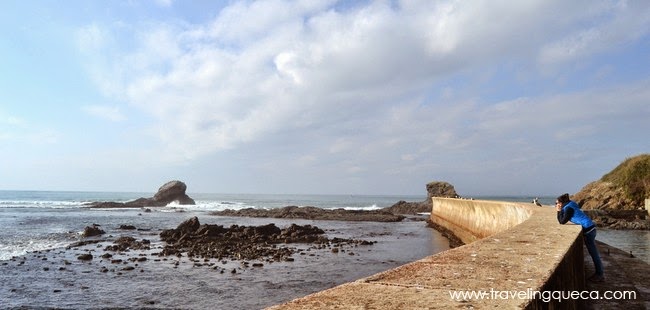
<point x="244" y="242"/>
<point x="94" y="230"/>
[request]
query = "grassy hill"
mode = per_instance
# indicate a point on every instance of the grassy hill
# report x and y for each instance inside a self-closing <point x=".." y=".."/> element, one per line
<point x="624" y="188"/>
<point x="633" y="177"/>
<point x="617" y="200"/>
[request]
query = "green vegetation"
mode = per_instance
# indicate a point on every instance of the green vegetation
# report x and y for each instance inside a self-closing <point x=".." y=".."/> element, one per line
<point x="633" y="176"/>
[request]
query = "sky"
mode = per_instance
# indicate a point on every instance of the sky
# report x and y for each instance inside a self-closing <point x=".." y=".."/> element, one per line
<point x="534" y="97"/>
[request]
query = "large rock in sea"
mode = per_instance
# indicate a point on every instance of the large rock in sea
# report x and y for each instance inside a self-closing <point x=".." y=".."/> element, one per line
<point x="434" y="189"/>
<point x="172" y="191"/>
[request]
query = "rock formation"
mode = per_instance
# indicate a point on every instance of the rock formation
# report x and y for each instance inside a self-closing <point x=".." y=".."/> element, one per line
<point x="169" y="192"/>
<point x="173" y="191"/>
<point x="245" y="242"/>
<point x="313" y="213"/>
<point x="91" y="231"/>
<point x="434" y="189"/>
<point x="617" y="200"/>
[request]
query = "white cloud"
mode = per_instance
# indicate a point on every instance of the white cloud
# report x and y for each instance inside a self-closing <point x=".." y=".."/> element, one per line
<point x="18" y="130"/>
<point x="332" y="83"/>
<point x="164" y="3"/>
<point x="91" y="38"/>
<point x="11" y="120"/>
<point x="105" y="112"/>
<point x="619" y="22"/>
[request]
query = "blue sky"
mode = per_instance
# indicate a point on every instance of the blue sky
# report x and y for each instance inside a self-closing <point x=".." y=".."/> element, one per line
<point x="320" y="96"/>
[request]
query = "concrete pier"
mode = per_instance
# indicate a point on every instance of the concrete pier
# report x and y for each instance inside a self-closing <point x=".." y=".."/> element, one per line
<point x="514" y="253"/>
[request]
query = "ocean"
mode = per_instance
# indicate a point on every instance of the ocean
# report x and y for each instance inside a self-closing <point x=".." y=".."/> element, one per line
<point x="38" y="270"/>
<point x="40" y="220"/>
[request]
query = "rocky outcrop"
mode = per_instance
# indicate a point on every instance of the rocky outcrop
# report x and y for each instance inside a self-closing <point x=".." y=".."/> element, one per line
<point x="603" y="195"/>
<point x="620" y="219"/>
<point x="91" y="231"/>
<point x="126" y="243"/>
<point x="434" y="189"/>
<point x="244" y="242"/>
<point x="313" y="213"/>
<point x="172" y="191"/>
<point x="617" y="200"/>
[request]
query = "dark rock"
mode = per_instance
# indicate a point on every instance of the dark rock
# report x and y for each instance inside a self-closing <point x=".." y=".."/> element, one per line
<point x="313" y="213"/>
<point x="173" y="191"/>
<point x="434" y="189"/>
<point x="242" y="242"/>
<point x="90" y="231"/>
<point x="127" y="227"/>
<point x="440" y="189"/>
<point x="169" y="192"/>
<point x="84" y="242"/>
<point x="86" y="256"/>
<point x="189" y="226"/>
<point x="126" y="243"/>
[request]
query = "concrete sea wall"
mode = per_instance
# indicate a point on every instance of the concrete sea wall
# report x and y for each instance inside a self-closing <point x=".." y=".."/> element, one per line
<point x="514" y="253"/>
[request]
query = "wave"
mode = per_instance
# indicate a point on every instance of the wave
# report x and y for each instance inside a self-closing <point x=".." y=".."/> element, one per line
<point x="207" y="206"/>
<point x="41" y="204"/>
<point x="368" y="208"/>
<point x="21" y="247"/>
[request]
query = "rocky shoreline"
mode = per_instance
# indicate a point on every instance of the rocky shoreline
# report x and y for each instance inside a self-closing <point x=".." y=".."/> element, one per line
<point x="313" y="213"/>
<point x="205" y="242"/>
<point x="123" y="266"/>
<point x="621" y="219"/>
<point x="267" y="242"/>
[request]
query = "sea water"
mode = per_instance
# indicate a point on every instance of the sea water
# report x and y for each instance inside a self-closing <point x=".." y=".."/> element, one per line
<point x="39" y="220"/>
<point x="37" y="270"/>
<point x="36" y="226"/>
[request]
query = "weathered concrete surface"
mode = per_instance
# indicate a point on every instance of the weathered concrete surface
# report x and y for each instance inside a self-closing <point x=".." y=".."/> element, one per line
<point x="536" y="255"/>
<point x="471" y="220"/>
<point x="623" y="272"/>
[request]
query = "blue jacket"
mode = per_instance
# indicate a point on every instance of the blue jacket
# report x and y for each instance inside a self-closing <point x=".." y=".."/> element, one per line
<point x="571" y="212"/>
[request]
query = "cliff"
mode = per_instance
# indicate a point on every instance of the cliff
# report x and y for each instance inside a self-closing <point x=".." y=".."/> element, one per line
<point x="617" y="200"/>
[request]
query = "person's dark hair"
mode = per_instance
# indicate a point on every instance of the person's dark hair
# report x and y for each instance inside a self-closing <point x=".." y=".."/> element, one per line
<point x="564" y="198"/>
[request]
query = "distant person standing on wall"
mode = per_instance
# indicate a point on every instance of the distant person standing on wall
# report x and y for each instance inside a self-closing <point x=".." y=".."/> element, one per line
<point x="568" y="210"/>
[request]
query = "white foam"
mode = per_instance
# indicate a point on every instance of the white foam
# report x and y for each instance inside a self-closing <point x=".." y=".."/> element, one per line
<point x="206" y="206"/>
<point x="14" y="250"/>
<point x="40" y="204"/>
<point x="368" y="208"/>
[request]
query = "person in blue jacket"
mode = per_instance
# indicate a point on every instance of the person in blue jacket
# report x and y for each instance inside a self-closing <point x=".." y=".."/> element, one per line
<point x="568" y="210"/>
